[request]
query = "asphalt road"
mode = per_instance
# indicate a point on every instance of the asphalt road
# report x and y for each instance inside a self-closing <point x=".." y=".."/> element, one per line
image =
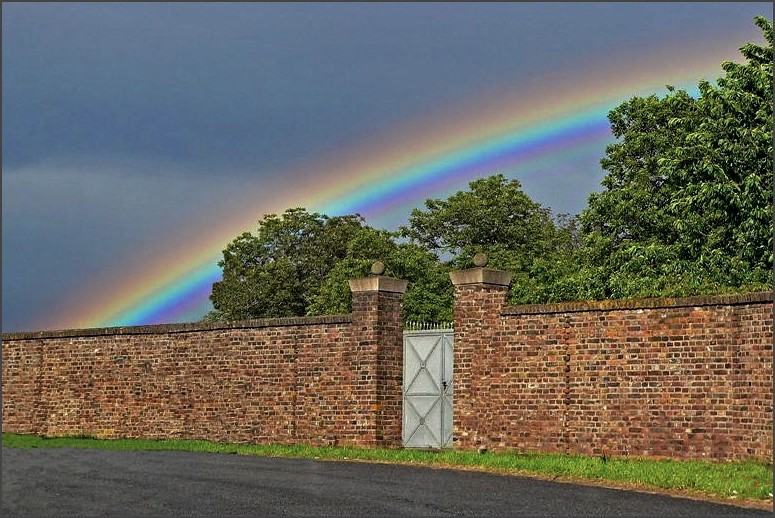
<point x="100" y="483"/>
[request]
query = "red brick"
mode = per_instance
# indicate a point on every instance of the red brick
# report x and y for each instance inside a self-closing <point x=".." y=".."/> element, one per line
<point x="311" y="380"/>
<point x="635" y="376"/>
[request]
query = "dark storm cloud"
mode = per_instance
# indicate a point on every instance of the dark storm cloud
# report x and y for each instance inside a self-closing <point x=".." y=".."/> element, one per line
<point x="229" y="85"/>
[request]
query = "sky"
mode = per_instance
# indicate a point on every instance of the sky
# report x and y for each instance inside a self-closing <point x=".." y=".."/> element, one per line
<point x="138" y="139"/>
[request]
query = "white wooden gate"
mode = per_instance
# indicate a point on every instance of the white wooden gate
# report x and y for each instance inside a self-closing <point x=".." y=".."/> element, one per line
<point x="428" y="387"/>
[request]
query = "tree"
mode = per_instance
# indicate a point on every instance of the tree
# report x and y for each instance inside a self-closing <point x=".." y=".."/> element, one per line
<point x="724" y="166"/>
<point x="688" y="202"/>
<point x="299" y="263"/>
<point x="627" y="227"/>
<point x="496" y="217"/>
<point x="279" y="271"/>
<point x="428" y="297"/>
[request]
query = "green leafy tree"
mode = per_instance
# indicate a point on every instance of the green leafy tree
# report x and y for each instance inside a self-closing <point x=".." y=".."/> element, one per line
<point x="298" y="263"/>
<point x="496" y="217"/>
<point x="724" y="168"/>
<point x="428" y="297"/>
<point x="628" y="227"/>
<point x="687" y="205"/>
<point x="279" y="270"/>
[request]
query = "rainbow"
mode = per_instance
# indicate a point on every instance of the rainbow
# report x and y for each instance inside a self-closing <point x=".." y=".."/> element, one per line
<point x="499" y="130"/>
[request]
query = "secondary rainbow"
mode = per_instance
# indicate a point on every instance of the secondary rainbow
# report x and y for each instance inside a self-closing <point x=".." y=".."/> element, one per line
<point x="501" y="129"/>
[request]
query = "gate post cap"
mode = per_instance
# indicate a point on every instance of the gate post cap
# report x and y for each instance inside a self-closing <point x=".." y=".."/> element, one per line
<point x="480" y="276"/>
<point x="378" y="283"/>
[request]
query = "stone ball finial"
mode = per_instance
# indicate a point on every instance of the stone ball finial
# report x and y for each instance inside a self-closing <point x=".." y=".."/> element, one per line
<point x="378" y="268"/>
<point x="480" y="259"/>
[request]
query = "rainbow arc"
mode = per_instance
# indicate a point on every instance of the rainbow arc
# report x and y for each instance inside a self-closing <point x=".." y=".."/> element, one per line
<point x="502" y="131"/>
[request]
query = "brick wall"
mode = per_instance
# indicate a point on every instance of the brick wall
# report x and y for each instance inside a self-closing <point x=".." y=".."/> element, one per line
<point x="317" y="380"/>
<point x="654" y="377"/>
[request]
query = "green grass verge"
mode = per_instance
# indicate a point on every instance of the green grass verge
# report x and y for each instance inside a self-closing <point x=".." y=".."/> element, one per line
<point x="728" y="480"/>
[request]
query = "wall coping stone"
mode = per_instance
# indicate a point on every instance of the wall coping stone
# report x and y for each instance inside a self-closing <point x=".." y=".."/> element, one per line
<point x="644" y="303"/>
<point x="181" y="328"/>
<point x="378" y="283"/>
<point x="480" y="276"/>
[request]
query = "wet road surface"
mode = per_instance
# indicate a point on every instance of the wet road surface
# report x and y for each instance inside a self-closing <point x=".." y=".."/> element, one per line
<point x="89" y="482"/>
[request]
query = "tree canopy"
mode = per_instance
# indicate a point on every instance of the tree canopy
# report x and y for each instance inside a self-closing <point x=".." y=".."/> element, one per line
<point x="687" y="205"/>
<point x="298" y="263"/>
<point x="497" y="217"/>
<point x="279" y="270"/>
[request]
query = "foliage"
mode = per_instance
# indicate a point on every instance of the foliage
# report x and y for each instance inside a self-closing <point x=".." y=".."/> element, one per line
<point x="493" y="212"/>
<point x="299" y="263"/>
<point x="279" y="270"/>
<point x="496" y="217"/>
<point x="688" y="202"/>
<point x="428" y="297"/>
